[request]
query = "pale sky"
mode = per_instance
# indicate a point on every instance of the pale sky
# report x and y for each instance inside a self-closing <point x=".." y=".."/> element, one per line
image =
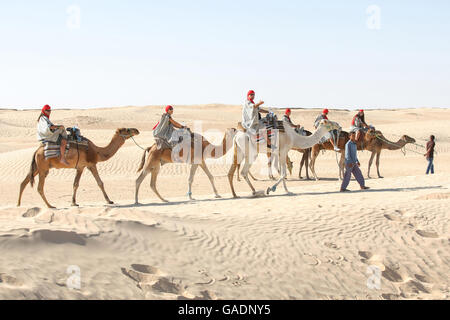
<point x="292" y="53"/>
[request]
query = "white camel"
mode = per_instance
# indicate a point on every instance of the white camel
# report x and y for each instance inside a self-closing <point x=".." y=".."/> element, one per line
<point x="245" y="149"/>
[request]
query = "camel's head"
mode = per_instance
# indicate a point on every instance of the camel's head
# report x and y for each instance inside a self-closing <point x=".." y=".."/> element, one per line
<point x="408" y="139"/>
<point x="127" y="133"/>
<point x="330" y="125"/>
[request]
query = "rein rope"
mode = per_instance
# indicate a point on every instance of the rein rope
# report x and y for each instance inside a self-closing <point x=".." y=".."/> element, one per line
<point x="132" y="138"/>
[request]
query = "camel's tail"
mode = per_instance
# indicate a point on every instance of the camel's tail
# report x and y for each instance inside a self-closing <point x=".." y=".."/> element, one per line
<point x="141" y="166"/>
<point x="33" y="168"/>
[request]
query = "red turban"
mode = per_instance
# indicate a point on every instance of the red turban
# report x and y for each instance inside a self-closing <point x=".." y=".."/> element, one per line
<point x="168" y="108"/>
<point x="46" y="109"/>
<point x="325" y="111"/>
<point x="249" y="93"/>
<point x="288" y="110"/>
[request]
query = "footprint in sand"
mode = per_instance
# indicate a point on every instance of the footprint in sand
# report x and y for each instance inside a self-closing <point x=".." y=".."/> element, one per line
<point x="10" y="280"/>
<point x="393" y="217"/>
<point x="427" y="234"/>
<point x="153" y="282"/>
<point x="32" y="212"/>
<point x="210" y="280"/>
<point x="390" y="296"/>
<point x="423" y="278"/>
<point x="392" y="274"/>
<point x="331" y="245"/>
<point x="413" y="287"/>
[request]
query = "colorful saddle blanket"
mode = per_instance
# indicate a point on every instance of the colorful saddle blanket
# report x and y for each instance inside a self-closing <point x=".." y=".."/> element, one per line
<point x="52" y="149"/>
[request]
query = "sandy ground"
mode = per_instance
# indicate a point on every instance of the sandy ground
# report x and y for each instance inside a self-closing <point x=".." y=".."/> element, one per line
<point x="315" y="244"/>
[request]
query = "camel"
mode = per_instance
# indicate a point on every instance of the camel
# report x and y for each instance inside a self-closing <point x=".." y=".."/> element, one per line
<point x="371" y="141"/>
<point x="382" y="143"/>
<point x="245" y="149"/>
<point x="156" y="158"/>
<point x="306" y="153"/>
<point x="77" y="159"/>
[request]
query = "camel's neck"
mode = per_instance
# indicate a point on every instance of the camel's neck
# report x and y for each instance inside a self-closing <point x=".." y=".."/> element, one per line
<point x="393" y="145"/>
<point x="105" y="153"/>
<point x="305" y="142"/>
<point x="222" y="149"/>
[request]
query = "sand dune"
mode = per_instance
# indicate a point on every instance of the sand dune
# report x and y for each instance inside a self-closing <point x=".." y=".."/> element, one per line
<point x="315" y="244"/>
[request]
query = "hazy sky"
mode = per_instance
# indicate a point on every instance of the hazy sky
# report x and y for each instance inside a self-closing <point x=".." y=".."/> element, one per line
<point x="292" y="53"/>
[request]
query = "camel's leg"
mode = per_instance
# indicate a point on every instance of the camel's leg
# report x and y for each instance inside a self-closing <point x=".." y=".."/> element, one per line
<point x="342" y="166"/>
<point x="314" y="155"/>
<point x="370" y="163"/>
<point x="23" y="185"/>
<point x="269" y="165"/>
<point x="191" y="179"/>
<point x="238" y="166"/>
<point x="306" y="155"/>
<point x="139" y="180"/>
<point x="244" y="173"/>
<point x="247" y="164"/>
<point x="76" y="183"/>
<point x="251" y="175"/>
<point x="282" y="179"/>
<point x="302" y="162"/>
<point x="378" y="164"/>
<point x="289" y="164"/>
<point x="211" y="178"/>
<point x="155" y="172"/>
<point x="230" y="177"/>
<point x="40" y="188"/>
<point x="94" y="172"/>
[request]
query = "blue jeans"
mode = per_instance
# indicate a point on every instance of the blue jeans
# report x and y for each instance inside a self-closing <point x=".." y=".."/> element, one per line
<point x="430" y="166"/>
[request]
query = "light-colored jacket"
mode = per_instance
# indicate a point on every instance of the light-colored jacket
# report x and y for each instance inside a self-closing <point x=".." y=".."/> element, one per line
<point x="43" y="130"/>
<point x="250" y="119"/>
<point x="164" y="129"/>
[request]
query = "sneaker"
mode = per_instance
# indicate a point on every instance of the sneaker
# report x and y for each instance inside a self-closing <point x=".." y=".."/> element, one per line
<point x="337" y="149"/>
<point x="364" y="188"/>
<point x="345" y="190"/>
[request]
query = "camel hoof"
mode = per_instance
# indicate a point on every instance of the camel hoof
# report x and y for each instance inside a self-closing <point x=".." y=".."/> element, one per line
<point x="217" y="196"/>
<point x="380" y="177"/>
<point x="74" y="205"/>
<point x="51" y="207"/>
<point x="109" y="202"/>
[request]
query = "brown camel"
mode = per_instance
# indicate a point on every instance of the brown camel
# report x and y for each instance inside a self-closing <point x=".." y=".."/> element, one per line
<point x="156" y="158"/>
<point x="382" y="143"/>
<point x="77" y="159"/>
<point x="371" y="141"/>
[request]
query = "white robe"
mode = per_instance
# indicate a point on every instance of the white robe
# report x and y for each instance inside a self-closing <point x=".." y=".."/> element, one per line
<point x="250" y="119"/>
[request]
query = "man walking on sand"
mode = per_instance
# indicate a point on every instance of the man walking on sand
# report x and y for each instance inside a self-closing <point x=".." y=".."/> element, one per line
<point x="430" y="154"/>
<point x="352" y="165"/>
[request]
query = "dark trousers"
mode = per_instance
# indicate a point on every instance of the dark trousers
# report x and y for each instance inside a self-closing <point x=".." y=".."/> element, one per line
<point x="430" y="166"/>
<point x="349" y="170"/>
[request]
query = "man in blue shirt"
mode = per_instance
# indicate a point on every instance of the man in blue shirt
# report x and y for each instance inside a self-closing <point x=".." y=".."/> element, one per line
<point x="352" y="164"/>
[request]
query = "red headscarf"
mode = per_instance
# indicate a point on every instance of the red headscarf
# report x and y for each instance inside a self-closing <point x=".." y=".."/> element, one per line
<point x="287" y="111"/>
<point x="249" y="93"/>
<point x="45" y="110"/>
<point x="325" y="111"/>
<point x="168" y="108"/>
